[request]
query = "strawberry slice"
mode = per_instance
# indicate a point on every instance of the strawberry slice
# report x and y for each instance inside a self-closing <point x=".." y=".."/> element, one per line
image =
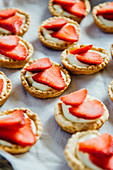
<point x="51" y="77"/>
<point x="7" y="13"/>
<point x="108" y="9"/>
<point x="13" y="120"/>
<point x="90" y="58"/>
<point x="80" y="50"/>
<point x="88" y="110"/>
<point x="55" y="24"/>
<point x="12" y="24"/>
<point x="66" y="33"/>
<point x="108" y="16"/>
<point x="22" y="136"/>
<point x="9" y="42"/>
<point x="65" y="2"/>
<point x="39" y="65"/>
<point x="1" y="85"/>
<point x="77" y="9"/>
<point x="18" y="53"/>
<point x="75" y="98"/>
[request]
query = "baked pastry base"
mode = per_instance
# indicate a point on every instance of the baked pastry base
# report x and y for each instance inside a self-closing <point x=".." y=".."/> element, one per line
<point x="70" y="151"/>
<point x="54" y="12"/>
<point x="74" y="69"/>
<point x="110" y="90"/>
<point x="4" y="97"/>
<point x="16" y="149"/>
<point x="24" y="28"/>
<point x="10" y="63"/>
<point x="44" y="94"/>
<point x="52" y="44"/>
<point x="111" y="50"/>
<point x="98" y="22"/>
<point x="73" y="127"/>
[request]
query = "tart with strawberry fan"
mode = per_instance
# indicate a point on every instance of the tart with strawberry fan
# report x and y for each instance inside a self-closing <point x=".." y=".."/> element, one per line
<point x="84" y="59"/>
<point x="78" y="111"/>
<point x="15" y="52"/>
<point x="75" y="10"/>
<point x="103" y="16"/>
<point x="59" y="32"/>
<point x="5" y="88"/>
<point x="14" y="21"/>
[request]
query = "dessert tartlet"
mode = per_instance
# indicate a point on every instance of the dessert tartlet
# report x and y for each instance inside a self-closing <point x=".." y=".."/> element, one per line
<point x="14" y="21"/>
<point x="15" y="52"/>
<point x="73" y="9"/>
<point x="90" y="150"/>
<point x="5" y="88"/>
<point x="59" y="32"/>
<point x="20" y="130"/>
<point x="103" y="16"/>
<point x="43" y="78"/>
<point x="78" y="111"/>
<point x="84" y="59"/>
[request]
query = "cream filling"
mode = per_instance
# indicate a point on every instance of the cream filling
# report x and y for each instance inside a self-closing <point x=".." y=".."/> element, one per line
<point x="4" y="91"/>
<point x="73" y="60"/>
<point x="108" y="23"/>
<point x="84" y="157"/>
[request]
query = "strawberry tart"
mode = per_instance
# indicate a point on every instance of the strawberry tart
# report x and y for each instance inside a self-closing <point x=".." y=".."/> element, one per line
<point x="78" y="111"/>
<point x="59" y="32"/>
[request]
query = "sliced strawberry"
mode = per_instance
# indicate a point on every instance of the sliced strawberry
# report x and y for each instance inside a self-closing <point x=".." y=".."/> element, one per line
<point x="55" y="24"/>
<point x="1" y="85"/>
<point x="108" y="9"/>
<point x="90" y="58"/>
<point x="18" y="53"/>
<point x="13" y="120"/>
<point x="9" y="42"/>
<point x="88" y="110"/>
<point x="22" y="136"/>
<point x="5" y="13"/>
<point x="108" y="16"/>
<point x="77" y="9"/>
<point x="66" y="33"/>
<point x="12" y="24"/>
<point x="65" y="2"/>
<point x="80" y="50"/>
<point x="51" y="77"/>
<point x="75" y="98"/>
<point x="39" y="65"/>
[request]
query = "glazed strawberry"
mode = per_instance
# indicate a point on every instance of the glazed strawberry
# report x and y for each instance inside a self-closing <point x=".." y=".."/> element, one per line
<point x="65" y="2"/>
<point x="80" y="50"/>
<point x="18" y="53"/>
<point x="75" y="98"/>
<point x="66" y="33"/>
<point x="7" y="13"/>
<point x="1" y="85"/>
<point x="12" y="24"/>
<point x="108" y="16"/>
<point x="55" y="24"/>
<point x="90" y="58"/>
<point x="22" y="136"/>
<point x="13" y="120"/>
<point x="9" y="42"/>
<point x="108" y="9"/>
<point x="88" y="110"/>
<point x="51" y="77"/>
<point x="39" y="65"/>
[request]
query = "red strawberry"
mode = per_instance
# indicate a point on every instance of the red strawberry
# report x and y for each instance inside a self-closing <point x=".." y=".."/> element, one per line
<point x="80" y="50"/>
<point x="12" y="24"/>
<point x="18" y="53"/>
<point x="51" y="77"/>
<point x="65" y="2"/>
<point x="55" y="24"/>
<point x="39" y="65"/>
<point x="66" y="33"/>
<point x="77" y="9"/>
<point x="74" y="98"/>
<point x="9" y="42"/>
<point x="22" y="136"/>
<point x="90" y="58"/>
<point x="108" y="9"/>
<point x="5" y="13"/>
<point x="13" y="120"/>
<point x="88" y="110"/>
<point x="1" y="85"/>
<point x="108" y="16"/>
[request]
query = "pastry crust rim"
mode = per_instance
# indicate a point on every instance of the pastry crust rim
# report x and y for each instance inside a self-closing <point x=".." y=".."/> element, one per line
<point x="52" y="44"/>
<point x="74" y="69"/>
<point x="16" y="149"/>
<point x="111" y="49"/>
<point x="110" y="90"/>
